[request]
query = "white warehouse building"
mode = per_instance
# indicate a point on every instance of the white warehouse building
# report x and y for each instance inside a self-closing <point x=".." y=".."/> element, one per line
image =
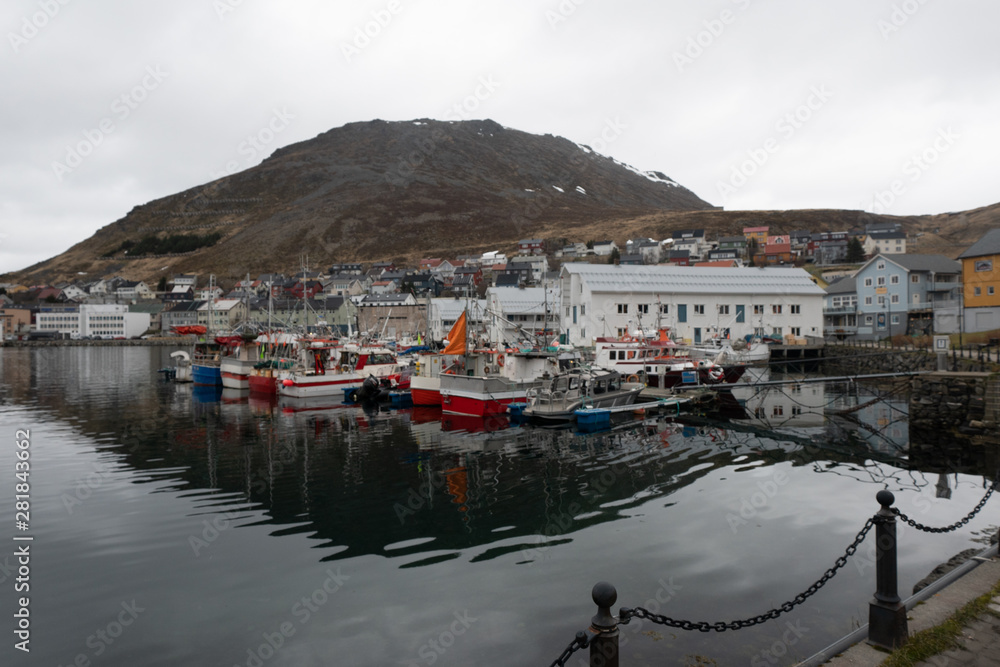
<point x="694" y="302"/>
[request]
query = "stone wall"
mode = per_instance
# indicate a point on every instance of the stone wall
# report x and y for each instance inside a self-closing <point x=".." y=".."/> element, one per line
<point x="842" y="360"/>
<point x="953" y="418"/>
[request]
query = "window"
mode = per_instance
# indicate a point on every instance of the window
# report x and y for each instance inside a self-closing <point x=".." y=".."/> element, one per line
<point x="915" y="278"/>
<point x="642" y="308"/>
<point x="622" y="332"/>
<point x="796" y="410"/>
<point x="664" y="308"/>
<point x="740" y="313"/>
<point x="881" y="300"/>
<point x="778" y="411"/>
<point x="699" y="309"/>
<point x="894" y="279"/>
<point x="868" y="319"/>
<point x="758" y="332"/>
<point x="795" y="309"/>
<point x="776" y="309"/>
<point x="795" y="331"/>
<point x="758" y="310"/>
<point x="978" y="291"/>
<point x="989" y="290"/>
<point x="880" y="266"/>
<point x="881" y="281"/>
<point x="776" y="332"/>
<point x="894" y="299"/>
<point x="895" y="319"/>
<point x="583" y="309"/>
<point x="622" y="308"/>
<point x="759" y="413"/>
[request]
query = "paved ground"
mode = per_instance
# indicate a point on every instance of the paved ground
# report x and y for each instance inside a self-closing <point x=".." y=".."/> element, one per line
<point x="980" y="644"/>
<point x="981" y="639"/>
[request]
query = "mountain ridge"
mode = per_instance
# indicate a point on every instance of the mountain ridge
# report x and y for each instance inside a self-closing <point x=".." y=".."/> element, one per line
<point x="400" y="190"/>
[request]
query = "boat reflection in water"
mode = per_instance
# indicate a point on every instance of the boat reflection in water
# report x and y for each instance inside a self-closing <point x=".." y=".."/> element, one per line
<point x="512" y="526"/>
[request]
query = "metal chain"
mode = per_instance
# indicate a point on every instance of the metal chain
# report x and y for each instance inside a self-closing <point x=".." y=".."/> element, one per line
<point x="580" y="641"/>
<point x="954" y="526"/>
<point x="627" y="614"/>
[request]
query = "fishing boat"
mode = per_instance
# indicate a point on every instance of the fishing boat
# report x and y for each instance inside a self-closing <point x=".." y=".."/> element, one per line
<point x="325" y="367"/>
<point x="425" y="385"/>
<point x="182" y="366"/>
<point x="235" y="367"/>
<point x="277" y="353"/>
<point x="561" y="395"/>
<point x="726" y="351"/>
<point x="609" y="352"/>
<point x="671" y="372"/>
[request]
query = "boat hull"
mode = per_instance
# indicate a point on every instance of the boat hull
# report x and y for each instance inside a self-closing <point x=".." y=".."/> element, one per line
<point x="206" y="375"/>
<point x="481" y="396"/>
<point x="263" y="385"/>
<point x="425" y="391"/>
<point x="236" y="373"/>
<point x="298" y="385"/>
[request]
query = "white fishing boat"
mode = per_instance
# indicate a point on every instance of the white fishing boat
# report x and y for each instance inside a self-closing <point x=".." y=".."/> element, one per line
<point x="561" y="395"/>
<point x="726" y="351"/>
<point x="326" y="368"/>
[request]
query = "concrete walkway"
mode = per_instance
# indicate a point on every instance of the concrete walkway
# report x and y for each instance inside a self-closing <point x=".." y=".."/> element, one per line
<point x="981" y="639"/>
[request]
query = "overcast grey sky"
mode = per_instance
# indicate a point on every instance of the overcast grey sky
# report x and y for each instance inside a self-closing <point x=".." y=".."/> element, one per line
<point x="886" y="105"/>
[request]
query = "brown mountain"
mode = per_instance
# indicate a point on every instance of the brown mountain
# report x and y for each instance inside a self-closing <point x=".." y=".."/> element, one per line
<point x="404" y="190"/>
<point x="380" y="190"/>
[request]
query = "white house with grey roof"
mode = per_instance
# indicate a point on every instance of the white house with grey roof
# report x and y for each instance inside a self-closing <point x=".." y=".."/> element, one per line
<point x="694" y="302"/>
<point x="521" y="313"/>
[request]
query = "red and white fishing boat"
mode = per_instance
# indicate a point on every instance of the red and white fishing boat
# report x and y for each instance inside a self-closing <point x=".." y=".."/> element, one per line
<point x="482" y="383"/>
<point x="325" y="367"/>
<point x="425" y="385"/>
<point x="661" y="364"/>
<point x="278" y="351"/>
<point x="236" y="366"/>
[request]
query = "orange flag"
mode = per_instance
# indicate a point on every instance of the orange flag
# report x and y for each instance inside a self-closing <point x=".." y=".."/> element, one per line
<point x="456" y="337"/>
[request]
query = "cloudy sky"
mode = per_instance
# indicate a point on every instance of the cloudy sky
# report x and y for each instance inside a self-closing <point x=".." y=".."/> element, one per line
<point x="885" y="105"/>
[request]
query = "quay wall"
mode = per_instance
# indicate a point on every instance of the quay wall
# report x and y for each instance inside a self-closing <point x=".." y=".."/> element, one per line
<point x="174" y="341"/>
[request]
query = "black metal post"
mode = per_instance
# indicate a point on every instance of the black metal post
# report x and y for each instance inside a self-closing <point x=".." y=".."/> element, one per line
<point x="887" y="626"/>
<point x="604" y="646"/>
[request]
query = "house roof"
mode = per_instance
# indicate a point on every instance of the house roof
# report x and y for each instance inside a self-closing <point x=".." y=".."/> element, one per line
<point x="879" y="235"/>
<point x="988" y="245"/>
<point x="843" y="285"/>
<point x="662" y="278"/>
<point x="733" y="239"/>
<point x="755" y="230"/>
<point x="508" y="280"/>
<point x="530" y="300"/>
<point x="923" y="263"/>
<point x="719" y="263"/>
<point x="777" y="248"/>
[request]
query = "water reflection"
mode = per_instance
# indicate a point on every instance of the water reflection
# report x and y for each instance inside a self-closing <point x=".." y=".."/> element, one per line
<point x="480" y="510"/>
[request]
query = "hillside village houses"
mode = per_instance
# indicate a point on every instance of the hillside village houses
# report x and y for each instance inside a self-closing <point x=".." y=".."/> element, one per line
<point x="742" y="284"/>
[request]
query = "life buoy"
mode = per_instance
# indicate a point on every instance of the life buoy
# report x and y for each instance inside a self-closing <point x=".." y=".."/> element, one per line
<point x="632" y="378"/>
<point x="500" y="360"/>
<point x="716" y="373"/>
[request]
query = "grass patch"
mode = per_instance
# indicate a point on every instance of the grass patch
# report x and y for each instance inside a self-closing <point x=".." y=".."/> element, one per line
<point x="933" y="641"/>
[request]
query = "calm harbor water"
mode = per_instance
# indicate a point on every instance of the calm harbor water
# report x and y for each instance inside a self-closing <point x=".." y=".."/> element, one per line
<point x="178" y="526"/>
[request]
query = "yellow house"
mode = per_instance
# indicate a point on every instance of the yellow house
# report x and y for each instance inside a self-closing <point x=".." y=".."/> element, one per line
<point x="981" y="283"/>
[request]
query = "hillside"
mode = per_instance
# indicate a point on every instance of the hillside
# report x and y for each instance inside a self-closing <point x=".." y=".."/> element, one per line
<point x="379" y="190"/>
<point x="405" y="190"/>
